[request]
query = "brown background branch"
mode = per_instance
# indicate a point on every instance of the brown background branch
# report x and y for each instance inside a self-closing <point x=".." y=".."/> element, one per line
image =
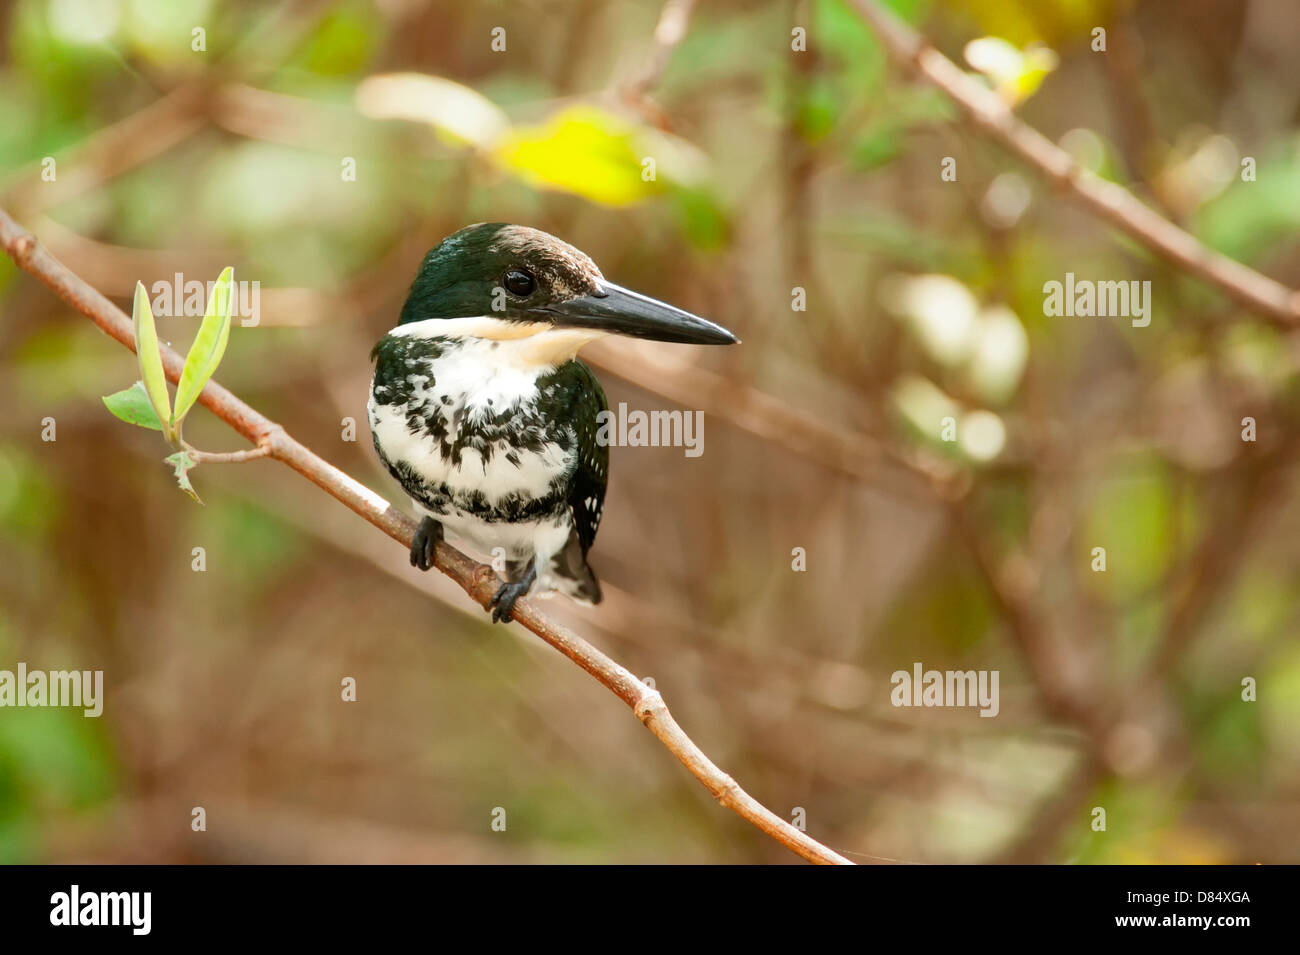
<point x="1114" y="204"/>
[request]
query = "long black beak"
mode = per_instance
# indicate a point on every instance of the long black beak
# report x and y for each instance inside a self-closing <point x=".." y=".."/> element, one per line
<point x="624" y="312"/>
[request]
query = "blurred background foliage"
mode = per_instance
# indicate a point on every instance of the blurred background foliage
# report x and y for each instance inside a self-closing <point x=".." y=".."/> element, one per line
<point x="774" y="169"/>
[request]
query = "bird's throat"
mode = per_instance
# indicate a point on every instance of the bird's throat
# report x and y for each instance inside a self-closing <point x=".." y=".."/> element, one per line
<point x="521" y="344"/>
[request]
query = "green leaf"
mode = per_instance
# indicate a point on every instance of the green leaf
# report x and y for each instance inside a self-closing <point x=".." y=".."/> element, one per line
<point x="181" y="463"/>
<point x="153" y="382"/>
<point x="134" y="407"/>
<point x="209" y="345"/>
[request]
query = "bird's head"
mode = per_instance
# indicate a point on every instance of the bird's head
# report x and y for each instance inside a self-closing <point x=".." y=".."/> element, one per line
<point x="509" y="281"/>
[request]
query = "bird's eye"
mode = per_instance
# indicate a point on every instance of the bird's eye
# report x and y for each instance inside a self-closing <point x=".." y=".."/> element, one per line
<point x="519" y="282"/>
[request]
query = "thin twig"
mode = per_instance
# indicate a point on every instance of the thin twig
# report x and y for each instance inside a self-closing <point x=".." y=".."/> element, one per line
<point x="668" y="33"/>
<point x="1109" y="201"/>
<point x="263" y="450"/>
<point x="770" y="418"/>
<point x="478" y="580"/>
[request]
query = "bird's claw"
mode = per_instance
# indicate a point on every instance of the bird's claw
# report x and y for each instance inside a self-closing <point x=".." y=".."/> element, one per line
<point x="503" y="601"/>
<point x="425" y="542"/>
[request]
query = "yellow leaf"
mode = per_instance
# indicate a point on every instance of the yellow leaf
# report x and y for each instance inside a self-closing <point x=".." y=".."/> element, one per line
<point x="1015" y="74"/>
<point x="600" y="156"/>
<point x="580" y="150"/>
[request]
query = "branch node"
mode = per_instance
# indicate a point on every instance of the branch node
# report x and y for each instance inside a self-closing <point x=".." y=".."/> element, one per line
<point x="649" y="704"/>
<point x="23" y="248"/>
<point x="484" y="576"/>
<point x="727" y="791"/>
<point x="273" y="439"/>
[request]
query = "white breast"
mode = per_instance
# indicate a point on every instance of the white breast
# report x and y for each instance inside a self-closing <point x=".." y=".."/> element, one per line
<point x="479" y="385"/>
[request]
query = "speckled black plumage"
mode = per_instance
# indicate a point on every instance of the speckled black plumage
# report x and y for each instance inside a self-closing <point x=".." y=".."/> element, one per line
<point x="564" y="413"/>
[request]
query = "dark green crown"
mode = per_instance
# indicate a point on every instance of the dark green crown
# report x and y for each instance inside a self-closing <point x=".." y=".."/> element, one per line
<point x="461" y="275"/>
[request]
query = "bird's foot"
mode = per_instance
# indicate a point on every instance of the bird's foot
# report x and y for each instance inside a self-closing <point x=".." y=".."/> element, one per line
<point x="425" y="542"/>
<point x="503" y="601"/>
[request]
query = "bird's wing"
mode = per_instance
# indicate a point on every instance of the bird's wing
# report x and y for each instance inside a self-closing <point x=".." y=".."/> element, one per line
<point x="585" y="401"/>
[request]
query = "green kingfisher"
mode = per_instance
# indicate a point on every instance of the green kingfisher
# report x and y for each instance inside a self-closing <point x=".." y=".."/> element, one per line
<point x="482" y="412"/>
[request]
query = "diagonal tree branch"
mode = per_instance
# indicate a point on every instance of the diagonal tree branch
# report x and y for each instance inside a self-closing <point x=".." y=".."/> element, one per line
<point x="478" y="580"/>
<point x="986" y="111"/>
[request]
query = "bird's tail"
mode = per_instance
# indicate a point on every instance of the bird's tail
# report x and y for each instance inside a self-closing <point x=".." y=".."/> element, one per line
<point x="572" y="574"/>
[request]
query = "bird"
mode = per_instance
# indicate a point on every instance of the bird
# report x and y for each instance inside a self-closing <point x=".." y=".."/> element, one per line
<point x="482" y="412"/>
